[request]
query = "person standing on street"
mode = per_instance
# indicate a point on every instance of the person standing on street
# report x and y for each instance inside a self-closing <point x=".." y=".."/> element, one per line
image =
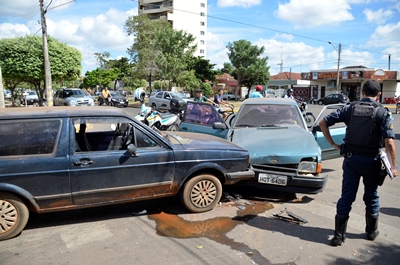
<point x="106" y="95"/>
<point x="369" y="128"/>
<point x="257" y="94"/>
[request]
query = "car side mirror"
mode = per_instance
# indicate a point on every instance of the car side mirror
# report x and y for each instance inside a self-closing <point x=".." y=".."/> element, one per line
<point x="132" y="149"/>
<point x="219" y="125"/>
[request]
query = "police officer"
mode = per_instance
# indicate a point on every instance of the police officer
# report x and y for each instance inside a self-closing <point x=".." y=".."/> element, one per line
<point x="369" y="127"/>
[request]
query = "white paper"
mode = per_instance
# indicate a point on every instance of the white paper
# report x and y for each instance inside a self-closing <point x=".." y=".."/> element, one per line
<point x="386" y="162"/>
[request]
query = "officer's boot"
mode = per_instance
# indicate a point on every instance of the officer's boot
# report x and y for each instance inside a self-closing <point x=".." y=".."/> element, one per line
<point x="372" y="225"/>
<point x="340" y="230"/>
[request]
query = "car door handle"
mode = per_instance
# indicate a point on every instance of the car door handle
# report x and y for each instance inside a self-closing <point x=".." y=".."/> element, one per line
<point x="83" y="162"/>
<point x="184" y="128"/>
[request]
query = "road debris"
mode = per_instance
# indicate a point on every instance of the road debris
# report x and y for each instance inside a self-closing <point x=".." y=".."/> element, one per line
<point x="291" y="217"/>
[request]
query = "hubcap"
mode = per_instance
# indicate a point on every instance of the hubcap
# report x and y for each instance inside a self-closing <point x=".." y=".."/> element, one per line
<point x="8" y="216"/>
<point x="203" y="194"/>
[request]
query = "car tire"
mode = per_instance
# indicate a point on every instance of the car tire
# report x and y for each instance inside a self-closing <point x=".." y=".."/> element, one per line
<point x="173" y="127"/>
<point x="320" y="102"/>
<point x="14" y="215"/>
<point x="153" y="105"/>
<point x="201" y="193"/>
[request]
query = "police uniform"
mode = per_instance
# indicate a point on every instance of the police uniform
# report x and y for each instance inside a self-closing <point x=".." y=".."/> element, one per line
<point x="361" y="161"/>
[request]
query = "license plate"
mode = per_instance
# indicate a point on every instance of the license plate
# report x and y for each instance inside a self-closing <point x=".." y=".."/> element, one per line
<point x="272" y="179"/>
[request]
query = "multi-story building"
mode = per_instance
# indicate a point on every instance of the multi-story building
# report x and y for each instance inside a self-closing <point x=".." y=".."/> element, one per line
<point x="187" y="15"/>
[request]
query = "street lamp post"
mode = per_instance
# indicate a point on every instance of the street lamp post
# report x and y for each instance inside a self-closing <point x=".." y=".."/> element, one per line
<point x="338" y="64"/>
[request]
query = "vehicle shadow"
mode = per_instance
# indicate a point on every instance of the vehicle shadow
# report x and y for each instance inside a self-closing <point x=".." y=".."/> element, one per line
<point x="390" y="211"/>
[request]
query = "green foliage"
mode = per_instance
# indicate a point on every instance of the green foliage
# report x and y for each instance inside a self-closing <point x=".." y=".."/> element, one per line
<point x="250" y="67"/>
<point x="188" y="80"/>
<point x="176" y="49"/>
<point x="204" y="71"/>
<point x="139" y="83"/>
<point x="100" y="77"/>
<point x="22" y="61"/>
<point x="207" y="90"/>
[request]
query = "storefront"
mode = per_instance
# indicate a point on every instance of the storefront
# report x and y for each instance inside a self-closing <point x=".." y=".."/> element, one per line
<point x="351" y="80"/>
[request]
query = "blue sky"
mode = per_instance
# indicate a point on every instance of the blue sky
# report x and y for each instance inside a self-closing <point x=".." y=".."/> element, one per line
<point x="295" y="32"/>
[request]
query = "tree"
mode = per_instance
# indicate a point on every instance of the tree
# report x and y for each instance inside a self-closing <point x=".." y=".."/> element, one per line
<point x="176" y="49"/>
<point x="22" y="61"/>
<point x="204" y="71"/>
<point x="143" y="51"/>
<point x="100" y="77"/>
<point x="207" y="90"/>
<point x="188" y="80"/>
<point x="250" y="67"/>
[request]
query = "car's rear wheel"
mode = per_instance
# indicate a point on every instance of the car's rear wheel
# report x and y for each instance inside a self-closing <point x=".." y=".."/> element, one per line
<point x="201" y="193"/>
<point x="13" y="215"/>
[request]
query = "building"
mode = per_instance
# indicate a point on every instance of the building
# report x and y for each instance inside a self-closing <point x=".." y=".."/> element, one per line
<point x="282" y="81"/>
<point x="187" y="15"/>
<point x="351" y="80"/>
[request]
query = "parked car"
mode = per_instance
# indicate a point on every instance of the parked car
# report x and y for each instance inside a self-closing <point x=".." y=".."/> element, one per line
<point x="118" y="100"/>
<point x="30" y="97"/>
<point x="230" y="96"/>
<point x="333" y="99"/>
<point x="162" y="99"/>
<point x="183" y="94"/>
<point x="55" y="159"/>
<point x="284" y="154"/>
<point x="7" y="94"/>
<point x="72" y="97"/>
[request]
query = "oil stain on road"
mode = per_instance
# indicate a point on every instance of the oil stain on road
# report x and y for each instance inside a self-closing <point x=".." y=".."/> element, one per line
<point x="216" y="229"/>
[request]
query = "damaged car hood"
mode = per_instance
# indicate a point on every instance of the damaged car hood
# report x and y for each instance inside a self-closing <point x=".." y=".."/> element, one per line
<point x="276" y="145"/>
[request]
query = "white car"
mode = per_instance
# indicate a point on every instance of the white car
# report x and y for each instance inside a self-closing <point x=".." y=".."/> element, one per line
<point x="162" y="99"/>
<point x="72" y="97"/>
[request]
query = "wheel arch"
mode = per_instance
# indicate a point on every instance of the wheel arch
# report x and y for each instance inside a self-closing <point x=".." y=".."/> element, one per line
<point x="215" y="170"/>
<point x="23" y="194"/>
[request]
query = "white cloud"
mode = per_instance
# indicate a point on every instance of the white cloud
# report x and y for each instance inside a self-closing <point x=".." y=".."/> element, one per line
<point x="313" y="13"/>
<point x="296" y="56"/>
<point x="8" y="30"/>
<point x="240" y="3"/>
<point x="380" y="16"/>
<point x="385" y="36"/>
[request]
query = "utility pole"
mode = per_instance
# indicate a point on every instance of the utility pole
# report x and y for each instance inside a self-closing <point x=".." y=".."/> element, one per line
<point x="2" y="103"/>
<point x="338" y="64"/>
<point x="47" y="71"/>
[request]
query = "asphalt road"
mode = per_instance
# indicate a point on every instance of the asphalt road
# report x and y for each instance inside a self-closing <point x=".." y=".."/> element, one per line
<point x="241" y="230"/>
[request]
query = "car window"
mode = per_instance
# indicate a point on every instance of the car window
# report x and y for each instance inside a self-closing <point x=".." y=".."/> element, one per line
<point x="29" y="137"/>
<point x="204" y="114"/>
<point x="108" y="134"/>
<point x="262" y="115"/>
<point x="159" y="94"/>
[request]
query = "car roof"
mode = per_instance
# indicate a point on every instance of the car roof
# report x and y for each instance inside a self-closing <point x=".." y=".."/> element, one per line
<point x="60" y="112"/>
<point x="279" y="101"/>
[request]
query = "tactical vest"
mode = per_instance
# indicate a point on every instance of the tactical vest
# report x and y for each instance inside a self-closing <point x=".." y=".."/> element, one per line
<point x="363" y="135"/>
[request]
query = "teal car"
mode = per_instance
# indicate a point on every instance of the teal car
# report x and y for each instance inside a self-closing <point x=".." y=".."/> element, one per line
<point x="285" y="154"/>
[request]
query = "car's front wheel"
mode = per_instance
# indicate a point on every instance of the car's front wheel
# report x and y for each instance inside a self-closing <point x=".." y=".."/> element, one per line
<point x="13" y="215"/>
<point x="320" y="102"/>
<point x="201" y="193"/>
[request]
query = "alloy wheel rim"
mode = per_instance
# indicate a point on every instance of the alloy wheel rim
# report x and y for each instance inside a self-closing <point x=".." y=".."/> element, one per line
<point x="203" y="193"/>
<point x="8" y="216"/>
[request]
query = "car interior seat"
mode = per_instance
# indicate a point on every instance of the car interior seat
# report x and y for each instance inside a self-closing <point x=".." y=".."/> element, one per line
<point x="83" y="143"/>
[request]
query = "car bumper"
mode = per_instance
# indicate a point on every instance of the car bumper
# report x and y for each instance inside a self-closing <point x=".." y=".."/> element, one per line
<point x="295" y="183"/>
<point x="235" y="177"/>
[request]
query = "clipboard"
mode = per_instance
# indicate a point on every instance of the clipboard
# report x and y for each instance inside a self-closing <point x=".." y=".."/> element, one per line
<point x="386" y="163"/>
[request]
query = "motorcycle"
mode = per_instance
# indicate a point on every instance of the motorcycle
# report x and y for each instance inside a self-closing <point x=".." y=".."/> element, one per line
<point x="144" y="112"/>
<point x="162" y="121"/>
<point x="308" y="116"/>
<point x="155" y="119"/>
<point x="313" y="100"/>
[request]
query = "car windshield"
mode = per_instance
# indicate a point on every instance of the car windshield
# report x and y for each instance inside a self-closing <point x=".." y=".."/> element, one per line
<point x="32" y="93"/>
<point x="262" y="115"/>
<point x="75" y="92"/>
